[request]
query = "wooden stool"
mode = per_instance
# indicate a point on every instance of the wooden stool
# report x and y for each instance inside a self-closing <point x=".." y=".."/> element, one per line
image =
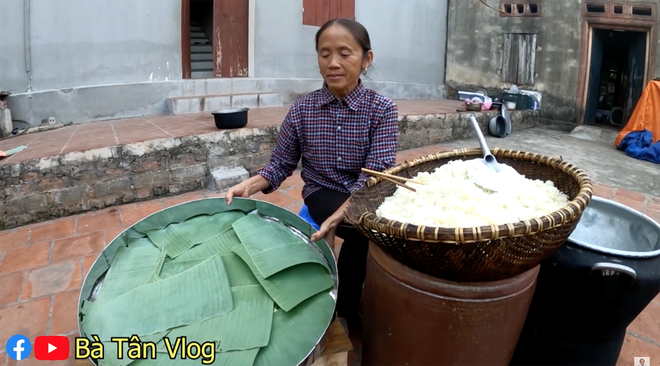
<point x="334" y="347"/>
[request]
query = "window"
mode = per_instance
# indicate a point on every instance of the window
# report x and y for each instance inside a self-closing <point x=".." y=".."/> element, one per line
<point x="595" y="8"/>
<point x="630" y="10"/>
<point x="317" y="12"/>
<point x="520" y="9"/>
<point x="642" y="10"/>
<point x="519" y="58"/>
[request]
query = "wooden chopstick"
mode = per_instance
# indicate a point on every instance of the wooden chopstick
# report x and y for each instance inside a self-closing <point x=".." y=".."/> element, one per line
<point x="398" y="183"/>
<point x="389" y="178"/>
<point x="385" y="175"/>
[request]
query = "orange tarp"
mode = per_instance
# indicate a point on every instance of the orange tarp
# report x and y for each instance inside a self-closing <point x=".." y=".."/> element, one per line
<point x="646" y="115"/>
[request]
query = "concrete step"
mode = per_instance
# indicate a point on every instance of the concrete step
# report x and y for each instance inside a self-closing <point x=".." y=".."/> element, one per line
<point x="222" y="178"/>
<point x="201" y="56"/>
<point x="210" y="103"/>
<point x="199" y="41"/>
<point x="195" y="28"/>
<point x="201" y="48"/>
<point x="202" y="74"/>
<point x="202" y="65"/>
<point x="197" y="34"/>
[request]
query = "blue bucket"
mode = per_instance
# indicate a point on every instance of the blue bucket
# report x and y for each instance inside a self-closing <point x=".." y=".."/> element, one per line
<point x="304" y="214"/>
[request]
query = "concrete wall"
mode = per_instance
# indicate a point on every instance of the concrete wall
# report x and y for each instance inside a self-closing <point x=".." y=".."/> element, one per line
<point x="474" y="51"/>
<point x="83" y="43"/>
<point x="408" y="39"/>
<point x="13" y="76"/>
<point x="86" y="45"/>
<point x="102" y="59"/>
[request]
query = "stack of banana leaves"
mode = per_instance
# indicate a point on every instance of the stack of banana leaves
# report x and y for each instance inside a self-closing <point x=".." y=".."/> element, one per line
<point x="228" y="288"/>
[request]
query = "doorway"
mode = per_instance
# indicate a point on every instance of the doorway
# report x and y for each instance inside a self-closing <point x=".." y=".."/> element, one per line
<point x="616" y="76"/>
<point x="214" y="38"/>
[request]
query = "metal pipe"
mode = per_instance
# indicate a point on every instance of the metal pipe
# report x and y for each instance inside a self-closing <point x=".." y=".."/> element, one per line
<point x="26" y="42"/>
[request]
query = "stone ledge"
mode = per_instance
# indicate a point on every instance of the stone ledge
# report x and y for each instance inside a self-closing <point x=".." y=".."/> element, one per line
<point x="57" y="186"/>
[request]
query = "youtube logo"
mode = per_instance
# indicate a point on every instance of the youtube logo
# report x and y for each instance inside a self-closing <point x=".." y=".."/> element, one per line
<point x="51" y="348"/>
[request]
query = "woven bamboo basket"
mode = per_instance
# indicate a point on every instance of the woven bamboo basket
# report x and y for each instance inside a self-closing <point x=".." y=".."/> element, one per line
<point x="474" y="254"/>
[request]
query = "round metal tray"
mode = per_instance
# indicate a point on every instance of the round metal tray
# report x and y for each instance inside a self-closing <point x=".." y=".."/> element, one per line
<point x="182" y="212"/>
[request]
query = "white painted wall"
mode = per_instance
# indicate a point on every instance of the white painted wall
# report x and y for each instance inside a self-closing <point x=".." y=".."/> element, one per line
<point x="92" y="60"/>
<point x="76" y="43"/>
<point x="13" y="76"/>
<point x="408" y="39"/>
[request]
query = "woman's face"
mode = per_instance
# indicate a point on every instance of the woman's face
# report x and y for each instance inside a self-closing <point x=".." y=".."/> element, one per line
<point x="341" y="60"/>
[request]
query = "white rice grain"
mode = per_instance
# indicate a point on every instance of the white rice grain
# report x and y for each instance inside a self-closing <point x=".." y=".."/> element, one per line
<point x="450" y="199"/>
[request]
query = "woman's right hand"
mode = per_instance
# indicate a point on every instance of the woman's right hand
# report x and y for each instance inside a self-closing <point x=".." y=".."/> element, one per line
<point x="240" y="190"/>
<point x="246" y="188"/>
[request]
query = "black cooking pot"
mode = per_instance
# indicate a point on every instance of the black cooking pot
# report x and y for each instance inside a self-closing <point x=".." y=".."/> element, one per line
<point x="592" y="288"/>
<point x="231" y="118"/>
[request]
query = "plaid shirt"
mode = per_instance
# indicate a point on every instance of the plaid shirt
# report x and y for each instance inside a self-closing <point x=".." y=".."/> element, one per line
<point x="335" y="138"/>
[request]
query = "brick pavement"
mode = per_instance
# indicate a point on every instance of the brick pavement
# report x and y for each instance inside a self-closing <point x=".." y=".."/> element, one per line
<point x="42" y="266"/>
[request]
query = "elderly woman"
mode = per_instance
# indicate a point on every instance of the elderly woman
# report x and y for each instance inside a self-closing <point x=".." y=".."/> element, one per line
<point x="337" y="130"/>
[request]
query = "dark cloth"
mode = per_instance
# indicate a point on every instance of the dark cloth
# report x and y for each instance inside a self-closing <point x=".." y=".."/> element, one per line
<point x="352" y="261"/>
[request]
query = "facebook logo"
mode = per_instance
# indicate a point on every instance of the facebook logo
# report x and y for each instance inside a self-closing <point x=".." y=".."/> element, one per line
<point x="18" y="347"/>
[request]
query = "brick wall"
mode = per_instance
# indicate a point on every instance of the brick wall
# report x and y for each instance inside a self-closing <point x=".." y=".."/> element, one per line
<point x="42" y="189"/>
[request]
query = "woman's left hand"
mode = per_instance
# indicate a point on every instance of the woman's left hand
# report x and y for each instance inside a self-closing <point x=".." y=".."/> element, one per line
<point x="329" y="226"/>
<point x="327" y="231"/>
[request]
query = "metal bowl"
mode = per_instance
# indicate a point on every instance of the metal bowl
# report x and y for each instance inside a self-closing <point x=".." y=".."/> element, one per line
<point x="181" y="212"/>
<point x="474" y="107"/>
<point x="609" y="227"/>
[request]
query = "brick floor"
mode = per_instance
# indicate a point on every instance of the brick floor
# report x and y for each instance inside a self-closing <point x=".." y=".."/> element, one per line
<point x="86" y="136"/>
<point x="42" y="266"/>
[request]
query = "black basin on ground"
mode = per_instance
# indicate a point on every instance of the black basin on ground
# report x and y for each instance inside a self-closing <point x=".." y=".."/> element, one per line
<point x="231" y="118"/>
<point x="592" y="288"/>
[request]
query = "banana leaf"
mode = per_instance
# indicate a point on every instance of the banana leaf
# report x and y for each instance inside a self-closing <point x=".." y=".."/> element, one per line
<point x="297" y="332"/>
<point x="131" y="267"/>
<point x="239" y="273"/>
<point x="273" y="247"/>
<point x="290" y="287"/>
<point x="246" y="327"/>
<point x="231" y="358"/>
<point x="110" y="350"/>
<point x="218" y="244"/>
<point x="175" y="239"/>
<point x="201" y="293"/>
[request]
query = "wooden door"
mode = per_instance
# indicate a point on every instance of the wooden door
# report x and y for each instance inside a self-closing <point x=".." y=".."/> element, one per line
<point x="185" y="39"/>
<point x="636" y="67"/>
<point x="230" y="38"/>
<point x="593" y="88"/>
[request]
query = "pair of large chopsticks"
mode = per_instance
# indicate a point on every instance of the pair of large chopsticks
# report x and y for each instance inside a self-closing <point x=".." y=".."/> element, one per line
<point x="393" y="178"/>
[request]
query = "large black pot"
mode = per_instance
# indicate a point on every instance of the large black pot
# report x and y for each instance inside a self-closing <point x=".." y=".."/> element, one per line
<point x="231" y="118"/>
<point x="592" y="288"/>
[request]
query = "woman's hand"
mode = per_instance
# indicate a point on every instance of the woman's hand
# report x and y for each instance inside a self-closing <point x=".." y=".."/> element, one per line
<point x="327" y="231"/>
<point x="2" y="154"/>
<point x="239" y="190"/>
<point x="328" y="228"/>
<point x="246" y="188"/>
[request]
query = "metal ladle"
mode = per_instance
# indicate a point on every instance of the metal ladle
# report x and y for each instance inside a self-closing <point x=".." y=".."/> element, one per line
<point x="484" y="175"/>
<point x="488" y="159"/>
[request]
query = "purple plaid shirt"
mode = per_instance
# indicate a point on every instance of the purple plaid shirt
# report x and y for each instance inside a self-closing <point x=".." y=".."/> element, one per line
<point x="335" y="138"/>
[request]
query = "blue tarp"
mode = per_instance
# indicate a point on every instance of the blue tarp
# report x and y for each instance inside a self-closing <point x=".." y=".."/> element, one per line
<point x="639" y="145"/>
